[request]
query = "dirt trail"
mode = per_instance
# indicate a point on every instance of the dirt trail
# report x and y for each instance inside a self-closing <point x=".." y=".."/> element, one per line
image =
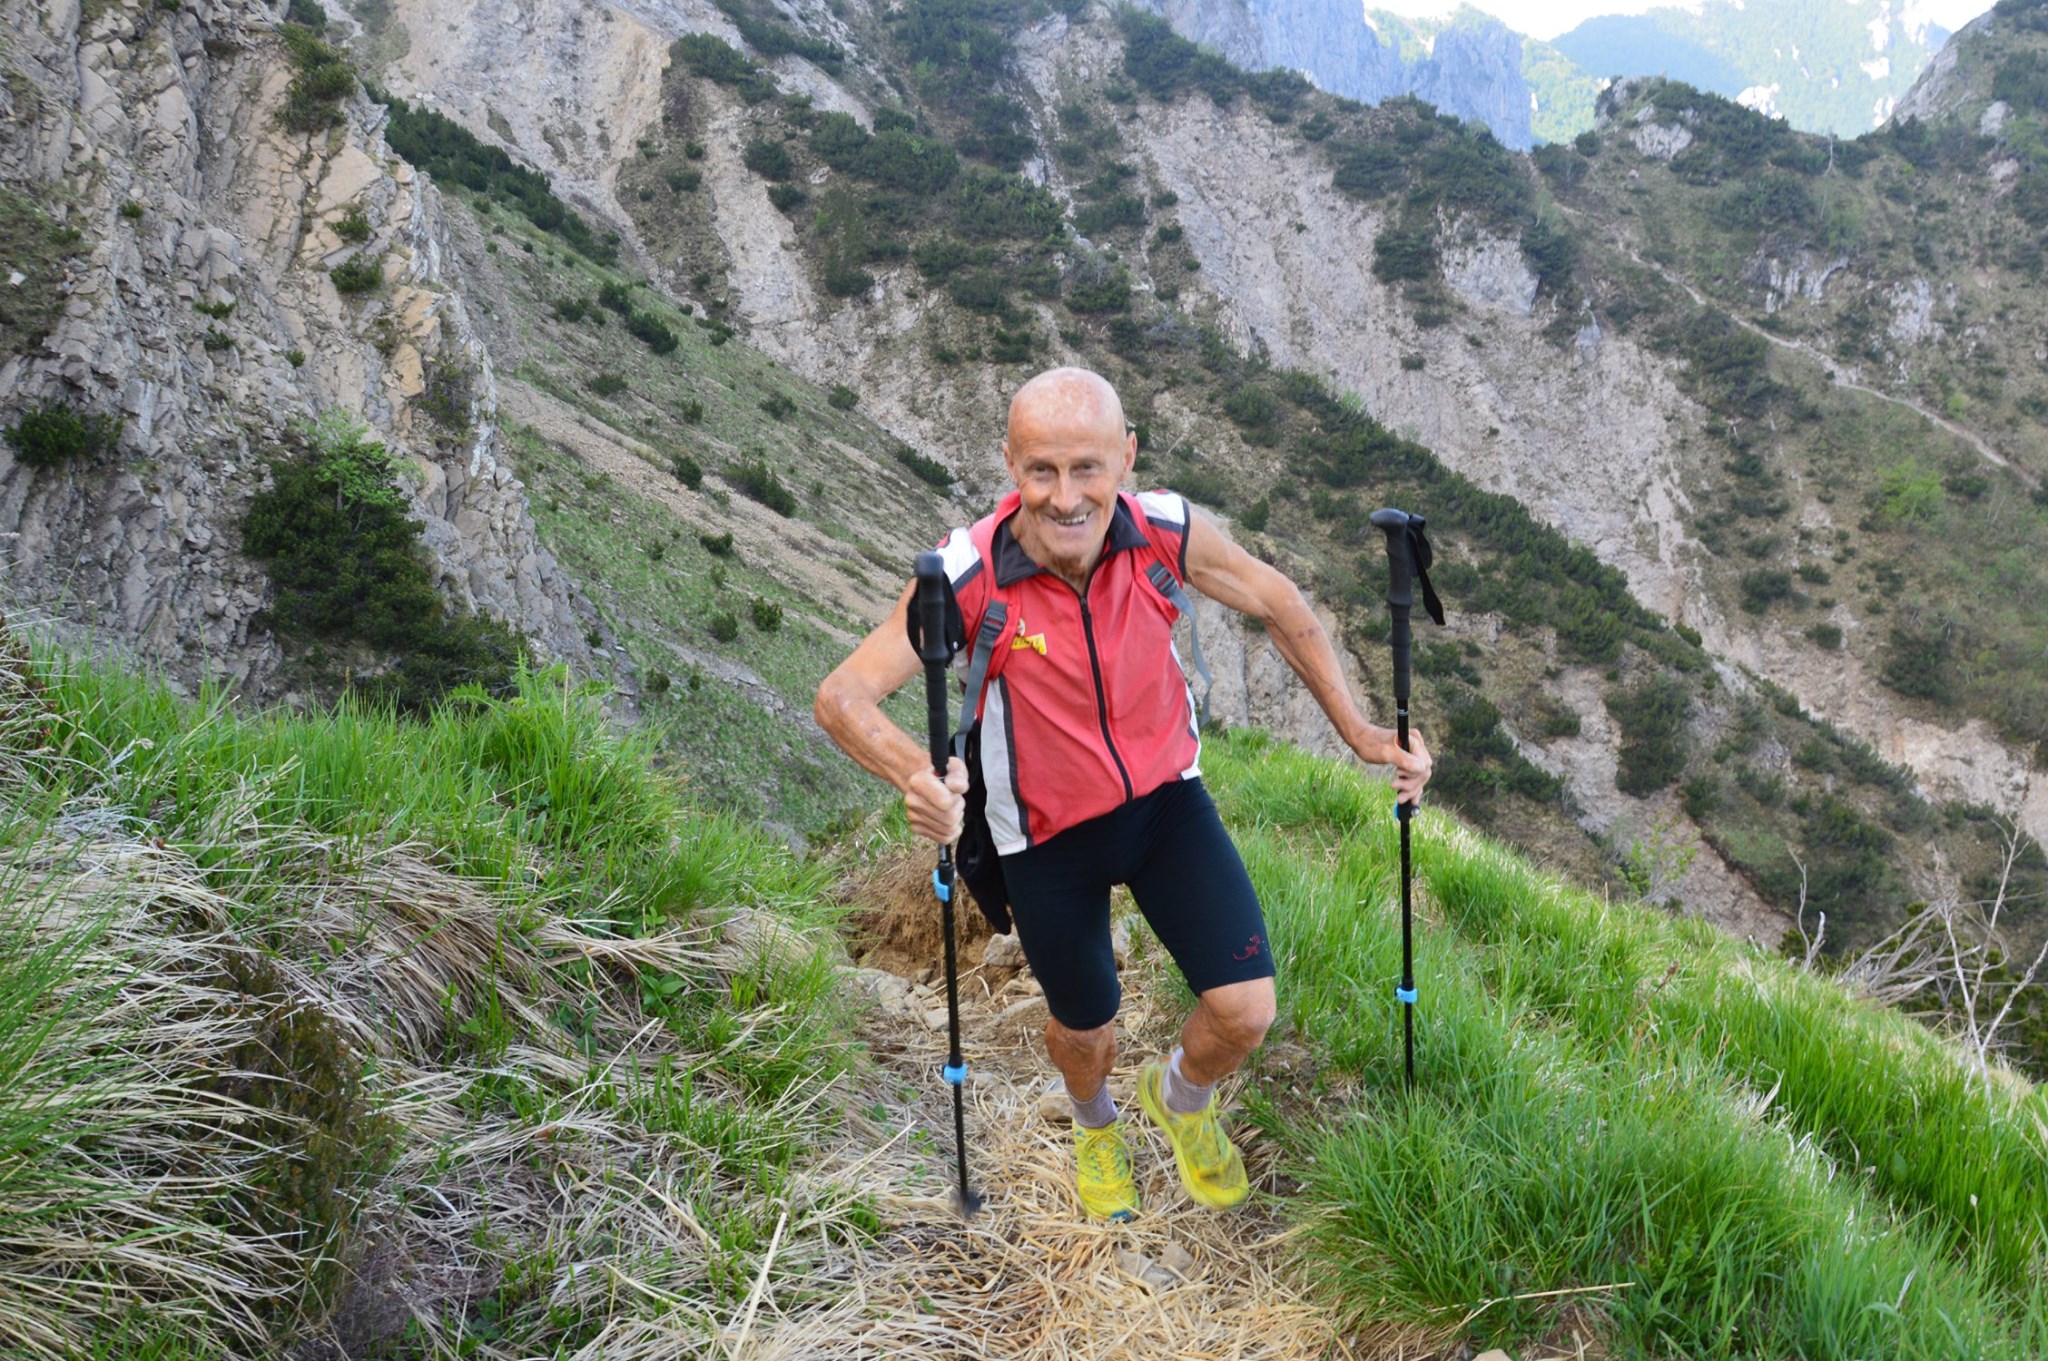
<point x="1829" y="365"/>
<point x="1031" y="1276"/>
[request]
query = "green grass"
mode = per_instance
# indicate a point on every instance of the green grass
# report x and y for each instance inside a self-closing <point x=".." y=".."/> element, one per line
<point x="1605" y="1095"/>
<point x="261" y="974"/>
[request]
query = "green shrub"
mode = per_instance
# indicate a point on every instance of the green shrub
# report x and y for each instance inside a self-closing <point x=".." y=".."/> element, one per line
<point x="1918" y="660"/>
<point x="717" y="545"/>
<point x="769" y="159"/>
<point x="1826" y="636"/>
<point x="360" y="273"/>
<point x="981" y="290"/>
<point x="1405" y="253"/>
<point x="449" y="395"/>
<point x="651" y="332"/>
<point x="687" y="471"/>
<point x="54" y="433"/>
<point x="348" y="564"/>
<point x="1256" y="516"/>
<point x="609" y="384"/>
<point x="353" y="225"/>
<point x="901" y="160"/>
<point x="295" y="357"/>
<point x="1100" y="287"/>
<point x="1907" y="492"/>
<point x="323" y="78"/>
<point x="308" y="14"/>
<point x="992" y="206"/>
<point x="844" y="277"/>
<point x="758" y="481"/>
<point x="691" y="409"/>
<point x="724" y="626"/>
<point x="778" y="406"/>
<point x="1763" y="588"/>
<point x="1110" y="214"/>
<point x="684" y="181"/>
<point x="712" y="57"/>
<point x="926" y="470"/>
<point x="767" y="614"/>
<point x="1251" y="407"/>
<point x="842" y="397"/>
<point x="1653" y="734"/>
<point x="787" y="197"/>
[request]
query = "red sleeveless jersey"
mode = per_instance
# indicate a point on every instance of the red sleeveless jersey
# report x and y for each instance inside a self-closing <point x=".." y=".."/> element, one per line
<point x="1085" y="707"/>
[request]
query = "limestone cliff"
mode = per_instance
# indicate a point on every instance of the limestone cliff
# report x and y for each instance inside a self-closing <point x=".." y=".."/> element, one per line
<point x="1473" y="68"/>
<point x="153" y="133"/>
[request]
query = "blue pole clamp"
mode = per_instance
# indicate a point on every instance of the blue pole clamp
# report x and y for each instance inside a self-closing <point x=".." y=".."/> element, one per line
<point x="1403" y="811"/>
<point x="956" y="1073"/>
<point x="1402" y="994"/>
<point x="942" y="888"/>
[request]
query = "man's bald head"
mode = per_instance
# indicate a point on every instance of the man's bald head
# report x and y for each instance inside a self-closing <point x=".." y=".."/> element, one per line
<point x="1067" y="400"/>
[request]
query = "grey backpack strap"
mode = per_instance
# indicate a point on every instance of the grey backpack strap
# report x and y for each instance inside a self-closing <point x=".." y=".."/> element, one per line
<point x="1170" y="587"/>
<point x="986" y="639"/>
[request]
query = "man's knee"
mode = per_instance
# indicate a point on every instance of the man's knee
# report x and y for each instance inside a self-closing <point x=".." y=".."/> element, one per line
<point x="1242" y="1012"/>
<point x="1094" y="1040"/>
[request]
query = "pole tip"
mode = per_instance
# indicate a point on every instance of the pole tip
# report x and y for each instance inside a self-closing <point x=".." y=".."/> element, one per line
<point x="970" y="1202"/>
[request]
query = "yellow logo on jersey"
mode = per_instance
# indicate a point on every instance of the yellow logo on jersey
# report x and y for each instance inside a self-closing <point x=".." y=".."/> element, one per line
<point x="1034" y="642"/>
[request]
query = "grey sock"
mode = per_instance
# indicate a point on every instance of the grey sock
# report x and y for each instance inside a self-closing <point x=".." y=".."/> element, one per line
<point x="1182" y="1096"/>
<point x="1097" y="1111"/>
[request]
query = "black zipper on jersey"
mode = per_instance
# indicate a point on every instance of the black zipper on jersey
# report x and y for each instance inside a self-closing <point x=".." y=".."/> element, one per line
<point x="1101" y="701"/>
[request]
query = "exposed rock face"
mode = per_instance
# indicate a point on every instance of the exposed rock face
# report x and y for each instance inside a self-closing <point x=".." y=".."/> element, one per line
<point x="1579" y="437"/>
<point x="1473" y="70"/>
<point x="175" y="112"/>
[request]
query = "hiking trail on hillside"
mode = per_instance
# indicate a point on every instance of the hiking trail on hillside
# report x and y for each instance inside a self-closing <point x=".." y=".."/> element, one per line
<point x="1031" y="1276"/>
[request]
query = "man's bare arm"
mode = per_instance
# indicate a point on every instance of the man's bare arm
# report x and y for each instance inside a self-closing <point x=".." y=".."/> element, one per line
<point x="849" y="709"/>
<point x="1220" y="569"/>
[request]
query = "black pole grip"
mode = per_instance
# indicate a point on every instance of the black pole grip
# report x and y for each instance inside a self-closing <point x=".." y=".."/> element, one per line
<point x="933" y="592"/>
<point x="1400" y="555"/>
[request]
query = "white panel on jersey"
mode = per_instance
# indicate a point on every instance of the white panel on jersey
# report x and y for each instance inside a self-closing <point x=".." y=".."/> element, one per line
<point x="958" y="551"/>
<point x="1005" y="818"/>
<point x="1164" y="507"/>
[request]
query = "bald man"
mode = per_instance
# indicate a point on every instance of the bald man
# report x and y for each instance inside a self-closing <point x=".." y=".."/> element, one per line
<point x="1090" y="750"/>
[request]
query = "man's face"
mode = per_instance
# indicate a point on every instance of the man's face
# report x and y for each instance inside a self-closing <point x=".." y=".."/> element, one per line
<point x="1068" y="464"/>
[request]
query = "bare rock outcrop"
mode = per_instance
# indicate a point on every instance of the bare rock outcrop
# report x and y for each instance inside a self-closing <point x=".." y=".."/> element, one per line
<point x="199" y="310"/>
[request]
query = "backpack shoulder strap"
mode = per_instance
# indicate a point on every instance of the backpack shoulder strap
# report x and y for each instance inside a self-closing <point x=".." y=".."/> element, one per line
<point x="984" y="654"/>
<point x="1170" y="512"/>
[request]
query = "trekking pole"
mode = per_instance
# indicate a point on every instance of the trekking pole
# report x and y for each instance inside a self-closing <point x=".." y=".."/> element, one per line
<point x="1407" y="558"/>
<point x="933" y="635"/>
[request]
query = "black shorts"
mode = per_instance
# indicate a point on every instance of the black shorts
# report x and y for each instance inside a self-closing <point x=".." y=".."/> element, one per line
<point x="1170" y="847"/>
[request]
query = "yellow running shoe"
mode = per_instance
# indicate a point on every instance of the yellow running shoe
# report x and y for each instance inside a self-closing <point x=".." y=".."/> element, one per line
<point x="1102" y="1167"/>
<point x="1209" y="1164"/>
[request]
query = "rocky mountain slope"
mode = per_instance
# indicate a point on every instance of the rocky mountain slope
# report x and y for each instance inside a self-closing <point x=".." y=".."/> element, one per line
<point x="177" y="233"/>
<point x="1597" y="372"/>
<point x="1537" y="392"/>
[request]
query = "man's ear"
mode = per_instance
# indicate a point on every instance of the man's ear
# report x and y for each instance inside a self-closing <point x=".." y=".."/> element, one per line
<point x="1130" y="452"/>
<point x="1008" y="466"/>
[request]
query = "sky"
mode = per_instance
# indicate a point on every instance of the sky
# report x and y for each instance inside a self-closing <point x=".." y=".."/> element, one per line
<point x="1546" y="19"/>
